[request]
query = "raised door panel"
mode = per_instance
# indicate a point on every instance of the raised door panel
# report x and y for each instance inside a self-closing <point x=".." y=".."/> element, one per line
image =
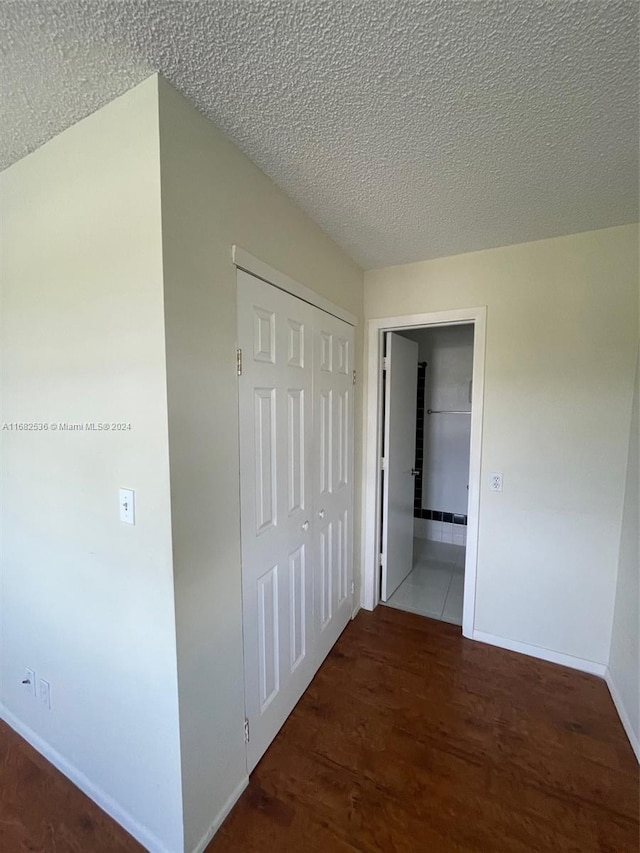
<point x="341" y="558"/>
<point x="324" y="439"/>
<point x="325" y="571"/>
<point x="265" y="451"/>
<point x="268" y="637"/>
<point x="264" y="335"/>
<point x="297" y="607"/>
<point x="296" y="456"/>
<point x="342" y="461"/>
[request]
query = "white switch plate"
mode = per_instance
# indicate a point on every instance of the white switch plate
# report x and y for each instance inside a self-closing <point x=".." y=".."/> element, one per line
<point x="29" y="681"/>
<point x="127" y="506"/>
<point x="44" y="692"/>
<point x="495" y="482"/>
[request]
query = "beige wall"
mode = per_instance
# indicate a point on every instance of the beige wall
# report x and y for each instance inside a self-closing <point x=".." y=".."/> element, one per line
<point x="561" y="341"/>
<point x="624" y="664"/>
<point x="119" y="304"/>
<point x="87" y="601"/>
<point x="214" y="197"/>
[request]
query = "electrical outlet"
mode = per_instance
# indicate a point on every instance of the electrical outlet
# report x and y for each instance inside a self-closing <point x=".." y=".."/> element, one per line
<point x="44" y="692"/>
<point x="495" y="482"/>
<point x="29" y="681"/>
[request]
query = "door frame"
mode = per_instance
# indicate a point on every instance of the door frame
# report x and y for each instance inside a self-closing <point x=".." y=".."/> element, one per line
<point x="244" y="260"/>
<point x="371" y="486"/>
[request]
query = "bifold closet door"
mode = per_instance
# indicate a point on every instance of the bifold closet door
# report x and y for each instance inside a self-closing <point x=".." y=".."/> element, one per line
<point x="276" y="338"/>
<point x="333" y="477"/>
<point x="296" y="483"/>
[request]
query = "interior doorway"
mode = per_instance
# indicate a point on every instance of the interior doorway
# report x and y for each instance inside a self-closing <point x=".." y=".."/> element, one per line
<point x="443" y="536"/>
<point x="428" y="383"/>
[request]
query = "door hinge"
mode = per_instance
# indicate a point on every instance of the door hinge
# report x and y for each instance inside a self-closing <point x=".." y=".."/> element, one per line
<point x="381" y="560"/>
<point x="353" y="587"/>
<point x="383" y="464"/>
<point x="247" y="736"/>
<point x="354" y="377"/>
<point x="239" y="362"/>
<point x="385" y="363"/>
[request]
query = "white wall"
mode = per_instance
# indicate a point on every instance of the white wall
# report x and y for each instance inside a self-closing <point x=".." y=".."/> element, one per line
<point x="448" y="351"/>
<point x="561" y="342"/>
<point x="214" y="197"/>
<point x="624" y="663"/>
<point x="87" y="601"/>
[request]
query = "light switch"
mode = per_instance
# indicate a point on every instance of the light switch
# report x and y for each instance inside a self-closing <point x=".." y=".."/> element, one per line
<point x="127" y="508"/>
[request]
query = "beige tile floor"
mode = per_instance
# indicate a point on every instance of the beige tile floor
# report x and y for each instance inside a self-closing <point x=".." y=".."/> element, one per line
<point x="435" y="586"/>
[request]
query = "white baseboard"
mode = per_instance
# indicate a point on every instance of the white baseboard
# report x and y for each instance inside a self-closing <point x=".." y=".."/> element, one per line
<point x="141" y="833"/>
<point x="622" y="713"/>
<point x="224" y="811"/>
<point x="583" y="665"/>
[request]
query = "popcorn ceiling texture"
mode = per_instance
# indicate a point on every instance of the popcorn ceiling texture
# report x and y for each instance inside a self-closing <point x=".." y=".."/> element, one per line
<point x="408" y="129"/>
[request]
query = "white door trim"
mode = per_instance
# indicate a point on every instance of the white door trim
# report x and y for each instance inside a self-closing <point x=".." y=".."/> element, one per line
<point x="249" y="263"/>
<point x="373" y="443"/>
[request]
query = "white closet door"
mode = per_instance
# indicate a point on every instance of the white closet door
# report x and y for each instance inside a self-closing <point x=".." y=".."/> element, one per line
<point x="275" y="335"/>
<point x="296" y="483"/>
<point x="333" y="480"/>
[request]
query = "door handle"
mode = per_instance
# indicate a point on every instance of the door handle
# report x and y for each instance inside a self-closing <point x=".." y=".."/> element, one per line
<point x="321" y="513"/>
<point x="305" y="525"/>
<point x="415" y="472"/>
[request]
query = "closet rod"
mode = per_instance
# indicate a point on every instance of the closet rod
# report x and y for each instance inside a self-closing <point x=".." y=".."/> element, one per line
<point x="445" y="412"/>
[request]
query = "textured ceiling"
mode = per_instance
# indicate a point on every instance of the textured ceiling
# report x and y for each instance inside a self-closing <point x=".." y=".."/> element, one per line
<point x="407" y="129"/>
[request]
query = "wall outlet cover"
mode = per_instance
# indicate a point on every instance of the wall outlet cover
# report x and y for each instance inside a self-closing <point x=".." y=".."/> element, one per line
<point x="495" y="482"/>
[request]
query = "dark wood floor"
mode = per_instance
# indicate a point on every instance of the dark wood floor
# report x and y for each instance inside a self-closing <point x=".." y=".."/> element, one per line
<point x="409" y="739"/>
<point x="42" y="812"/>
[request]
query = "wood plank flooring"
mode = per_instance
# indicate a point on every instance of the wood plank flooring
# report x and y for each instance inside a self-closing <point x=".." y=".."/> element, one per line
<point x="409" y="739"/>
<point x="42" y="812"/>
